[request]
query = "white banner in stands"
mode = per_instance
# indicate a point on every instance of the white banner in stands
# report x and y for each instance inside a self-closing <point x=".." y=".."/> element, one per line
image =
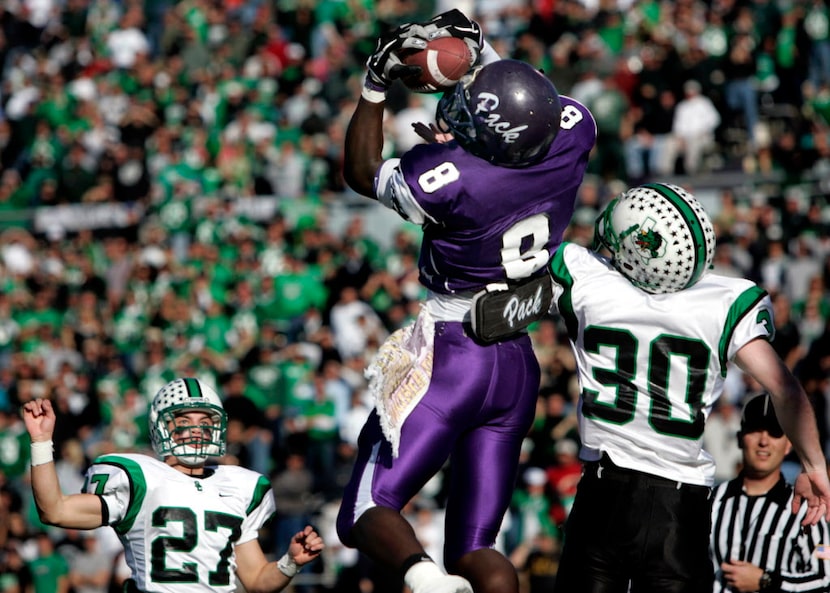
<point x="76" y="217"/>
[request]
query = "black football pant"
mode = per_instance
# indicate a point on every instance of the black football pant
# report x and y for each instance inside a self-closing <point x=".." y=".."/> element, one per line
<point x="627" y="528"/>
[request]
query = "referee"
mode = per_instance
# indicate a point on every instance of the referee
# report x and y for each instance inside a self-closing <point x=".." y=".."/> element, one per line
<point x="757" y="543"/>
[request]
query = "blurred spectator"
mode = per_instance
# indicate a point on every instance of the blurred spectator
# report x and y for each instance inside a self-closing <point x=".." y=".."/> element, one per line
<point x="127" y="43"/>
<point x="723" y="263"/>
<point x="288" y="171"/>
<point x="552" y="409"/>
<point x="359" y="409"/>
<point x="318" y="417"/>
<point x="14" y="448"/>
<point x="739" y="71"/>
<point x="790" y="60"/>
<point x="49" y="570"/>
<point x="719" y="438"/>
<point x="255" y="435"/>
<point x="787" y="340"/>
<point x="293" y="487"/>
<point x="588" y="86"/>
<point x="71" y="465"/>
<point x="531" y="509"/>
<point x="693" y="128"/>
<point x="647" y="150"/>
<point x="817" y="27"/>
<point x="775" y="265"/>
<point x="14" y="573"/>
<point x="353" y="271"/>
<point x="612" y="112"/>
<point x="337" y="389"/>
<point x="419" y="109"/>
<point x="803" y="267"/>
<point x="295" y="290"/>
<point x="554" y="354"/>
<point x="354" y="324"/>
<point x="563" y="477"/>
<point x="539" y="562"/>
<point x="812" y="312"/>
<point x="90" y="570"/>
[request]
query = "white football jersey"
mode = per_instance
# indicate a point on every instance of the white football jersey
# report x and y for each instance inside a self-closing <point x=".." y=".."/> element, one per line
<point x="178" y="531"/>
<point x="651" y="366"/>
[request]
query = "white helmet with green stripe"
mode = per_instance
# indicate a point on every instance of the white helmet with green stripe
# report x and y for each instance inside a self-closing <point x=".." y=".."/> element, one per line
<point x="192" y="444"/>
<point x="659" y="235"/>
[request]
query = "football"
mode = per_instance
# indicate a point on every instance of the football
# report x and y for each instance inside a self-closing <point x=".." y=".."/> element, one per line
<point x="443" y="62"/>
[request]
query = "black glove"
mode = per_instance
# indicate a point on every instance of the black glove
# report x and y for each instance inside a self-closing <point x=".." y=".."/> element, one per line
<point x="431" y="133"/>
<point x="385" y="64"/>
<point x="454" y="23"/>
<point x="427" y="132"/>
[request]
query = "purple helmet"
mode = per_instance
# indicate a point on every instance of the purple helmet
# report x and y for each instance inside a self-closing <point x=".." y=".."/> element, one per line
<point x="506" y="112"/>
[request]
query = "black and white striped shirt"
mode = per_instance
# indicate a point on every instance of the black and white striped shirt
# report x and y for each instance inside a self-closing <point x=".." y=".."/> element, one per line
<point x="763" y="531"/>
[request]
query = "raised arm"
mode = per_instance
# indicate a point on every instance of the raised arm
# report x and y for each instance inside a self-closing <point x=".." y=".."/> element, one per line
<point x="71" y="511"/>
<point x="364" y="137"/>
<point x="364" y="142"/>
<point x="797" y="418"/>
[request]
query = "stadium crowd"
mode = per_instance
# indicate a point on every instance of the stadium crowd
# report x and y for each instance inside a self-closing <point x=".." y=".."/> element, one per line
<point x="176" y="114"/>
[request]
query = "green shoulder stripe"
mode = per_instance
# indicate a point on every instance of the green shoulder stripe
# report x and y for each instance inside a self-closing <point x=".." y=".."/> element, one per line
<point x="562" y="276"/>
<point x="261" y="489"/>
<point x="740" y="309"/>
<point x="138" y="488"/>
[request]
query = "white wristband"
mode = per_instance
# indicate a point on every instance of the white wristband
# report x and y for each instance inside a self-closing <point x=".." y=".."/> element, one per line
<point x="41" y="452"/>
<point x="372" y="95"/>
<point x="287" y="566"/>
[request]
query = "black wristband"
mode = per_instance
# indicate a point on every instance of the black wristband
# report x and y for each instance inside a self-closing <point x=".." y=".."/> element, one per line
<point x="412" y="561"/>
<point x="773" y="583"/>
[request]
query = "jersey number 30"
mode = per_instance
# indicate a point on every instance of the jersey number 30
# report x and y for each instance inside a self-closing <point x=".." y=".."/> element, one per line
<point x="621" y="381"/>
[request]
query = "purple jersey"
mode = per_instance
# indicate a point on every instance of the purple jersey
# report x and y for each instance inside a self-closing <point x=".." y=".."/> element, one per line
<point x="485" y="223"/>
<point x="482" y="224"/>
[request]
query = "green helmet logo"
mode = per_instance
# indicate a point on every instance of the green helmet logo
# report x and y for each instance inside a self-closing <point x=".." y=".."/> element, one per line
<point x="649" y="242"/>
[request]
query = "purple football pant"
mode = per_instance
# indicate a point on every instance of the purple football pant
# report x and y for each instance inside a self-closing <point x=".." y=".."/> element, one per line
<point x="478" y="408"/>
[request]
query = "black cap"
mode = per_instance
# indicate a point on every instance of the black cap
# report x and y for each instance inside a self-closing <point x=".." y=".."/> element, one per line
<point x="759" y="414"/>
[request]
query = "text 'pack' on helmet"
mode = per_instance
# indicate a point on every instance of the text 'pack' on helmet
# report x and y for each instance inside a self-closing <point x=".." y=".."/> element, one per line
<point x="506" y="112"/>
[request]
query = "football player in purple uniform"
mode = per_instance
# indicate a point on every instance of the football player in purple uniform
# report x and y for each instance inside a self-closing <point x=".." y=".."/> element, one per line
<point x="461" y="383"/>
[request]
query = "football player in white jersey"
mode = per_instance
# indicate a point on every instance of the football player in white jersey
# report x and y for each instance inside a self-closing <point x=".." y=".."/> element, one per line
<point x="653" y="331"/>
<point x="187" y="525"/>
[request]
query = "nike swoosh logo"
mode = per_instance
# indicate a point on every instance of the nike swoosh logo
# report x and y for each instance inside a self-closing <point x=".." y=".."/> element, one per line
<point x="223" y="495"/>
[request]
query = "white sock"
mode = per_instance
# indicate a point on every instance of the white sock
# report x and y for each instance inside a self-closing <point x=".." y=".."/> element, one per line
<point x="422" y="573"/>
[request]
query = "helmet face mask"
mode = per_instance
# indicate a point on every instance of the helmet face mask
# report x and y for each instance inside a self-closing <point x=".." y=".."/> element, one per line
<point x="192" y="439"/>
<point x="454" y="115"/>
<point x="506" y="113"/>
<point x="659" y="236"/>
